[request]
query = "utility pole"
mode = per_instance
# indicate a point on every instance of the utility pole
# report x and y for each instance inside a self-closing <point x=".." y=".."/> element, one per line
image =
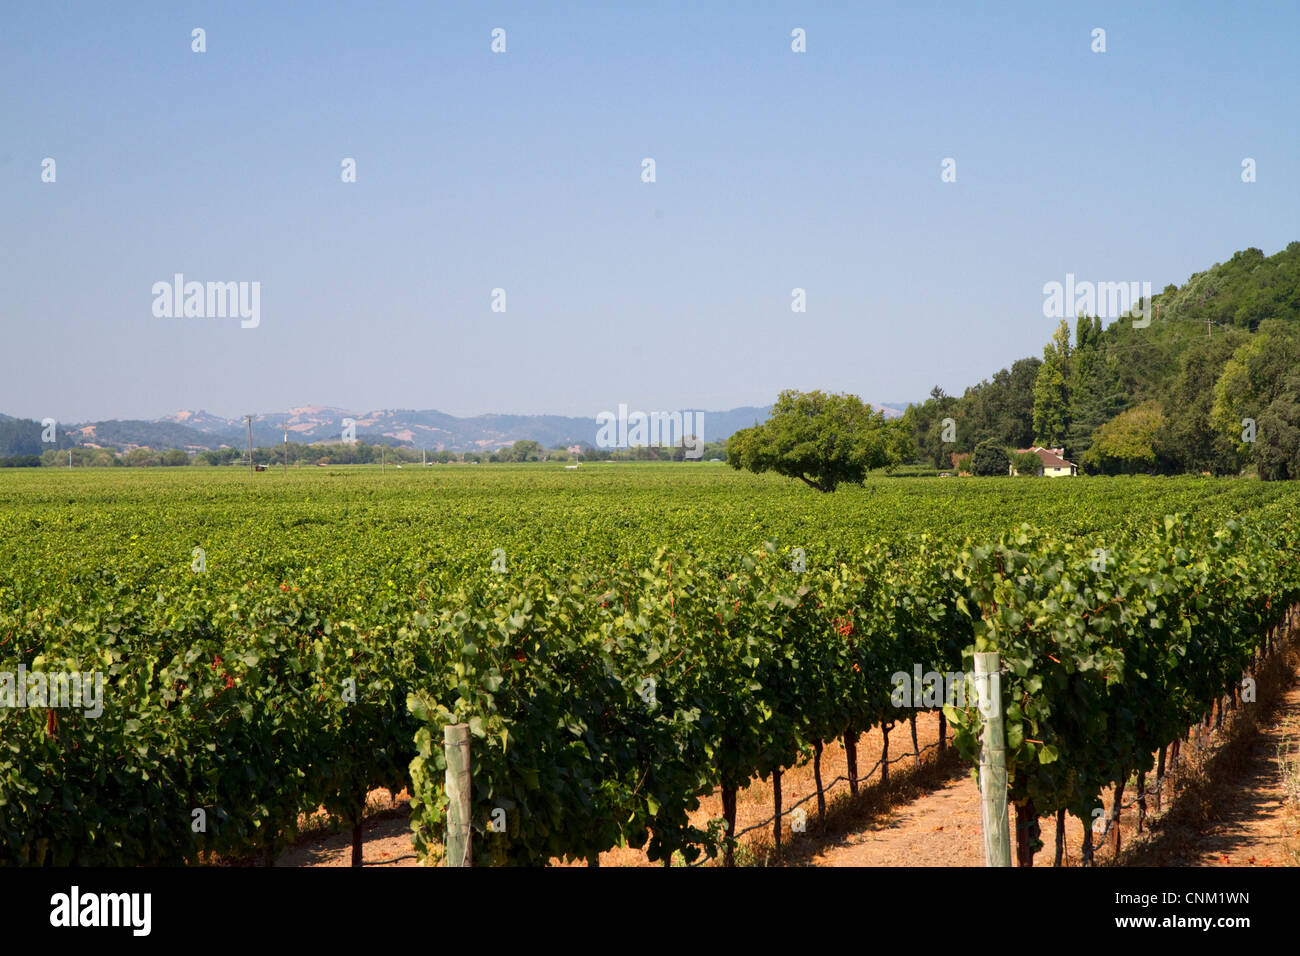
<point x="249" y="419"/>
<point x="382" y="462"/>
<point x="69" y="459"/>
<point x="286" y="452"/>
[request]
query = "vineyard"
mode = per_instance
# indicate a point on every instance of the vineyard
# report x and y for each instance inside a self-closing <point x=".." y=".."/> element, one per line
<point x="621" y="640"/>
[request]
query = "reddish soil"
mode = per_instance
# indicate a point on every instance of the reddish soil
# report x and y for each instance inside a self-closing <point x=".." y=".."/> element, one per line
<point x="929" y="813"/>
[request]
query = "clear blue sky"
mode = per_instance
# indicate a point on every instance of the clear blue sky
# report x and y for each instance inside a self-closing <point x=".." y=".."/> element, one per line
<point x="523" y="171"/>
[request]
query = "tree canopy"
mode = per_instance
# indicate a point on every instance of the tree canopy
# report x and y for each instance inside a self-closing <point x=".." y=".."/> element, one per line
<point x="990" y="459"/>
<point x="1130" y="442"/>
<point x="823" y="440"/>
<point x="1026" y="463"/>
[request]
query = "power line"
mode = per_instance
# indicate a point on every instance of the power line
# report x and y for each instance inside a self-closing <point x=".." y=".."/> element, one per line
<point x="1144" y="345"/>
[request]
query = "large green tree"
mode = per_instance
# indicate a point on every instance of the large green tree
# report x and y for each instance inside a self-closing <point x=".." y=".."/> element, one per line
<point x="1094" y="389"/>
<point x="1195" y="444"/>
<point x="1252" y="379"/>
<point x="933" y="440"/>
<point x="1026" y="463"/>
<point x="1277" y="451"/>
<point x="989" y="460"/>
<point x="525" y="450"/>
<point x="1130" y="442"/>
<point x="1051" y="391"/>
<point x="823" y="440"/>
<point x="1051" y="406"/>
<point x="941" y="434"/>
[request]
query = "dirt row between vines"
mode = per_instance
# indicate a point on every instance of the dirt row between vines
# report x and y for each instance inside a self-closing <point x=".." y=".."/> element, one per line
<point x="387" y="836"/>
<point x="1232" y="800"/>
<point x="1242" y="804"/>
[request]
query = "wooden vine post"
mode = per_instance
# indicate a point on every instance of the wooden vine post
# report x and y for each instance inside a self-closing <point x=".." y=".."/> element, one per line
<point x="817" y="775"/>
<point x="851" y="758"/>
<point x="1060" y="836"/>
<point x="358" y="801"/>
<point x="1142" y="799"/>
<point x="993" y="761"/>
<point x="884" y="753"/>
<point x="456" y="747"/>
<point x="729" y="817"/>
<point x="776" y="798"/>
<point x="1117" y="808"/>
<point x="1160" y="776"/>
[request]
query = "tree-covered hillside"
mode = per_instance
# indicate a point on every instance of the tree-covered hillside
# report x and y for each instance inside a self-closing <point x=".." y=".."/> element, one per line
<point x="21" y="437"/>
<point x="1210" y="382"/>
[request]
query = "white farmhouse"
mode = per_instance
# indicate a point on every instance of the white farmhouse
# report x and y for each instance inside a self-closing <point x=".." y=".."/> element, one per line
<point x="1053" y="463"/>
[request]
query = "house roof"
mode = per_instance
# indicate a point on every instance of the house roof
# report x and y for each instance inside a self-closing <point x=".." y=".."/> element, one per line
<point x="1050" y="457"/>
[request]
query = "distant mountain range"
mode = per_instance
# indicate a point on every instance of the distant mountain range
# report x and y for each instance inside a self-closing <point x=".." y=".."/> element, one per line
<point x="434" y="430"/>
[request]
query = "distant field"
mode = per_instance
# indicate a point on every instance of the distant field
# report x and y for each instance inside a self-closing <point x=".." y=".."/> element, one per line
<point x="542" y="515"/>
